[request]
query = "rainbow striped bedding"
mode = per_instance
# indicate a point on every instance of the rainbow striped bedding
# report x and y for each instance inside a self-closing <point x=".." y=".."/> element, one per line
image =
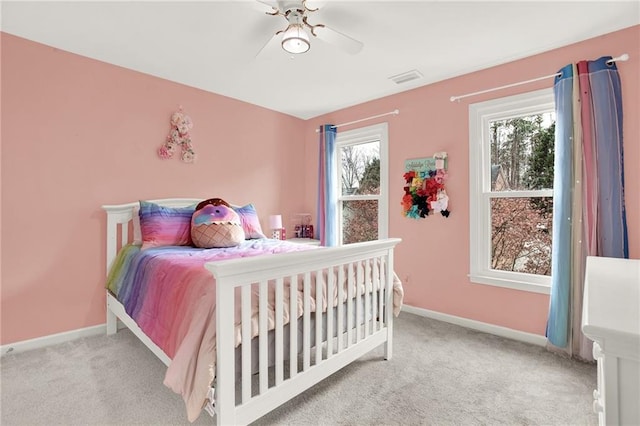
<point x="171" y="296"/>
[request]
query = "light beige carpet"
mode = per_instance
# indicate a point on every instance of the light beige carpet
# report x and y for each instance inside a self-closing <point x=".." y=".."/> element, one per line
<point x="440" y="374"/>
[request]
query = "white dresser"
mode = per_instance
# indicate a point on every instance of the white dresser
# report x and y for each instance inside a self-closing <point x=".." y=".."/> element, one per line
<point x="611" y="318"/>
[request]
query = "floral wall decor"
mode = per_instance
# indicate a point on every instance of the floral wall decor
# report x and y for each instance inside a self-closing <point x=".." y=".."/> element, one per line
<point x="424" y="191"/>
<point x="179" y="138"/>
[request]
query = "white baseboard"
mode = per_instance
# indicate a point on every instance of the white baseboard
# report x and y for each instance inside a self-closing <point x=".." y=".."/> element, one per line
<point x="54" y="339"/>
<point x="509" y="333"/>
<point x="68" y="336"/>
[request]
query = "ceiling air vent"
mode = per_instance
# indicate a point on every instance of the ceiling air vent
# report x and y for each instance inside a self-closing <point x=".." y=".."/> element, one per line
<point x="406" y="76"/>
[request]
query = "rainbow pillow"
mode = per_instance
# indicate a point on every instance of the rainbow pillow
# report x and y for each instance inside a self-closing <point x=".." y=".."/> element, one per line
<point x="250" y="222"/>
<point x="165" y="226"/>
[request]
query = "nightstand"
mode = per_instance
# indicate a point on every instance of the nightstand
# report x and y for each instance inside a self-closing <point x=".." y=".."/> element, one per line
<point x="309" y="241"/>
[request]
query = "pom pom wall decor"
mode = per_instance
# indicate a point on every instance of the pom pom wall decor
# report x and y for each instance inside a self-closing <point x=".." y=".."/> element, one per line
<point x="424" y="191"/>
<point x="179" y="138"/>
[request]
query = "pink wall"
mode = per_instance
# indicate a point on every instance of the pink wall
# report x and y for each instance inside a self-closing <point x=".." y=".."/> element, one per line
<point x="78" y="133"/>
<point x="433" y="258"/>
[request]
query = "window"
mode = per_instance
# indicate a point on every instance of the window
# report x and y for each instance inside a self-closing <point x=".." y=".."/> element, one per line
<point x="511" y="148"/>
<point x="362" y="156"/>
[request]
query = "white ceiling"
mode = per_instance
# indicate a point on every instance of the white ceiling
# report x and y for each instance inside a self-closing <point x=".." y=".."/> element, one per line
<point x="212" y="45"/>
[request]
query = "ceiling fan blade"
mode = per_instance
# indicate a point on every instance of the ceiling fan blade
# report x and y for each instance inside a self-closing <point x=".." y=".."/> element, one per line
<point x="346" y="43"/>
<point x="261" y="6"/>
<point x="314" y="5"/>
<point x="271" y="45"/>
<point x="267" y="6"/>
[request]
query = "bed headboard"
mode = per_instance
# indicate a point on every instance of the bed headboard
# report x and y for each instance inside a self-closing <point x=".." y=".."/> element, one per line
<point x="119" y="216"/>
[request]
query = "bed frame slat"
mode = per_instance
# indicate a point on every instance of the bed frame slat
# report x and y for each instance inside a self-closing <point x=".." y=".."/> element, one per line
<point x="374" y="295"/>
<point x="388" y="313"/>
<point x="340" y="308"/>
<point x="262" y="314"/>
<point x="330" y="289"/>
<point x="350" y="284"/>
<point x="367" y="296"/>
<point x="319" y="311"/>
<point x="279" y="342"/>
<point x="381" y="292"/>
<point x="306" y="324"/>
<point x="293" y="335"/>
<point x="359" y="284"/>
<point x="245" y="309"/>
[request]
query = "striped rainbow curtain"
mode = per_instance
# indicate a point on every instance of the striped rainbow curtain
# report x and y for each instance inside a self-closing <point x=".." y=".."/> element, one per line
<point x="326" y="230"/>
<point x="588" y="214"/>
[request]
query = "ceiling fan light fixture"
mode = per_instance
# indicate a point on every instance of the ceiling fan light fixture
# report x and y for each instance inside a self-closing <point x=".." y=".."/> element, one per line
<point x="295" y="39"/>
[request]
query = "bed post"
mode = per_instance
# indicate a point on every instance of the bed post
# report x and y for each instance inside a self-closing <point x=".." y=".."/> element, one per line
<point x="112" y="240"/>
<point x="112" y="243"/>
<point x="388" y="310"/>
<point x="112" y="320"/>
<point x="225" y="403"/>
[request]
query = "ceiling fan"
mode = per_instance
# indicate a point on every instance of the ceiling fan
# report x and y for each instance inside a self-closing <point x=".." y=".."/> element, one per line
<point x="295" y="37"/>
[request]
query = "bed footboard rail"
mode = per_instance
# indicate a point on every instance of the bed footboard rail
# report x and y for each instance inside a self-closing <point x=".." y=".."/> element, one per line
<point x="346" y="297"/>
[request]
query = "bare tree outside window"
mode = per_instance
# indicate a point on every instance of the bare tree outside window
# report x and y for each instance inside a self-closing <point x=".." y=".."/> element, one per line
<point x="520" y="236"/>
<point x="352" y="167"/>
<point x="522" y="151"/>
<point x="360" y="177"/>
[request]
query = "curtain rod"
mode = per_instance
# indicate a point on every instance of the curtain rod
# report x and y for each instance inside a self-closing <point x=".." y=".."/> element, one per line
<point x="394" y="112"/>
<point x="623" y="57"/>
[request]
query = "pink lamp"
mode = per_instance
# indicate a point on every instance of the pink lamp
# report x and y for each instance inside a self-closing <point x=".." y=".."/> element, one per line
<point x="275" y="223"/>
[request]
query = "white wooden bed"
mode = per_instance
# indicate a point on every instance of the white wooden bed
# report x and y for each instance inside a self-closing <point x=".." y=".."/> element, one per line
<point x="237" y="400"/>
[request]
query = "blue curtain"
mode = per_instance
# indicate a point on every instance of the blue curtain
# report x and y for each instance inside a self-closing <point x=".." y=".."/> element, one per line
<point x="557" y="325"/>
<point x="589" y="216"/>
<point x="326" y="230"/>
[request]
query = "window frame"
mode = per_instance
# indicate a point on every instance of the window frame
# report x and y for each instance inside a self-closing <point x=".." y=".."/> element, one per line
<point x="374" y="133"/>
<point x="480" y="194"/>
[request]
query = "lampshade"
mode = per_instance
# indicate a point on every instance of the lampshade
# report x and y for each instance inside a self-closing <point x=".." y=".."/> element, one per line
<point x="295" y="39"/>
<point x="275" y="221"/>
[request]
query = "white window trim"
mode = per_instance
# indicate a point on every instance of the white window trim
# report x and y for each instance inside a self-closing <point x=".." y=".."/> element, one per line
<point x="377" y="132"/>
<point x="480" y="115"/>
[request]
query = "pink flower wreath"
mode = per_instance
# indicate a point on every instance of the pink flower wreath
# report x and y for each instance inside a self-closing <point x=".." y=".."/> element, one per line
<point x="179" y="137"/>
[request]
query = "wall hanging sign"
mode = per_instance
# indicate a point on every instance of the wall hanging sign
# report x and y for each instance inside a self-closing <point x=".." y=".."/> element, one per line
<point x="424" y="191"/>
<point x="179" y="138"/>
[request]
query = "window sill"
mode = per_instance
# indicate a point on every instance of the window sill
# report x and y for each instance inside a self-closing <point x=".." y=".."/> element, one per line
<point x="512" y="284"/>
